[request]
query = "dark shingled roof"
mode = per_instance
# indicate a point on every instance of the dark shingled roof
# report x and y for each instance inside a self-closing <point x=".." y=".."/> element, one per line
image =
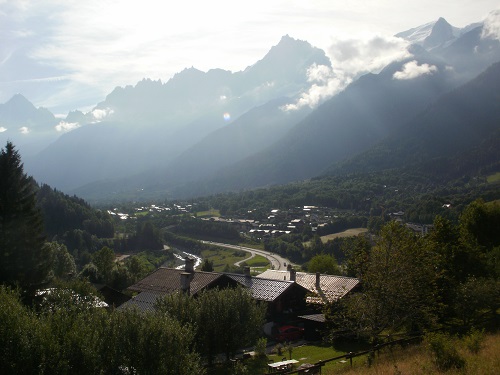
<point x="144" y="301"/>
<point x="111" y="296"/>
<point x="168" y="280"/>
<point x="262" y="289"/>
<point x="331" y="287"/>
<point x="320" y="318"/>
<point x="165" y="281"/>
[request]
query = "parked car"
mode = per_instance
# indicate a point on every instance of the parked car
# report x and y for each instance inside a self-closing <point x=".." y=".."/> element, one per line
<point x="289" y="333"/>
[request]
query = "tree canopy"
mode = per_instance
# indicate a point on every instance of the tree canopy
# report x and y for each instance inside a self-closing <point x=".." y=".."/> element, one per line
<point x="25" y="260"/>
<point x="415" y="283"/>
<point x="225" y="320"/>
<point x="65" y="337"/>
<point x="324" y="263"/>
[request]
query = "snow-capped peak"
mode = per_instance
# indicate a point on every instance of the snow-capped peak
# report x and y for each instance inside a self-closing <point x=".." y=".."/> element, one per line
<point x="431" y="34"/>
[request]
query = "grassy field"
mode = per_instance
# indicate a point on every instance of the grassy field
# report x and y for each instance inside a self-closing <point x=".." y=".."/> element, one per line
<point x="258" y="264"/>
<point x="347" y="233"/>
<point x="412" y="359"/>
<point x="313" y="354"/>
<point x="209" y="213"/>
<point x="419" y="361"/>
<point x="254" y="245"/>
<point x="222" y="257"/>
<point x="494" y="178"/>
<point x="304" y="354"/>
<point x="257" y="261"/>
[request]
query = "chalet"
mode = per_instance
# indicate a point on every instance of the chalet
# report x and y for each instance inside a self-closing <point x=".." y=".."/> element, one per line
<point x="112" y="297"/>
<point x="322" y="288"/>
<point x="297" y="222"/>
<point x="420" y="229"/>
<point x="166" y="281"/>
<point x="280" y="295"/>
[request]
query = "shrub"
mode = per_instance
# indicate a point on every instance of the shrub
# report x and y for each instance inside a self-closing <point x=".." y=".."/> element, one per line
<point x="474" y="340"/>
<point x="445" y="355"/>
<point x="260" y="347"/>
<point x="289" y="348"/>
<point x="239" y="369"/>
<point x="278" y="349"/>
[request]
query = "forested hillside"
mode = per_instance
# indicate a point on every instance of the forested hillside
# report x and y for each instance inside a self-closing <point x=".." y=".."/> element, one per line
<point x="63" y="213"/>
<point x="462" y="124"/>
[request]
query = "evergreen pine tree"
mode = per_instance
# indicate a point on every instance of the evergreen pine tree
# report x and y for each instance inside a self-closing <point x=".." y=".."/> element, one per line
<point x="24" y="260"/>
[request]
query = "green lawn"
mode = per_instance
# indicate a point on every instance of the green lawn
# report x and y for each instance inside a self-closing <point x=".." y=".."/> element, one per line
<point x="315" y="353"/>
<point x="353" y="232"/>
<point x="209" y="213"/>
<point x="257" y="261"/>
<point x="222" y="257"/>
<point x="494" y="178"/>
<point x="347" y="233"/>
<point x="258" y="264"/>
<point x="304" y="354"/>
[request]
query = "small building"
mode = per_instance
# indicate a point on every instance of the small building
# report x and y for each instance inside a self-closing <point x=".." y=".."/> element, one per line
<point x="322" y="288"/>
<point x="166" y="281"/>
<point x="280" y="295"/>
<point x="112" y="297"/>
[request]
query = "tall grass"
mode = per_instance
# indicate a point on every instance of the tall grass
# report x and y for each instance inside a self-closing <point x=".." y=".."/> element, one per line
<point x="419" y="360"/>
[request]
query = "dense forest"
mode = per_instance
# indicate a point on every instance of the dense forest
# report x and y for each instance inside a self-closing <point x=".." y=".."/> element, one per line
<point x="372" y="194"/>
<point x="449" y="277"/>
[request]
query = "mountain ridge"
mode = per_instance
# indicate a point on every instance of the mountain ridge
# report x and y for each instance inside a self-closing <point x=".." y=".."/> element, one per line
<point x="457" y="122"/>
<point x="157" y="122"/>
<point x="204" y="132"/>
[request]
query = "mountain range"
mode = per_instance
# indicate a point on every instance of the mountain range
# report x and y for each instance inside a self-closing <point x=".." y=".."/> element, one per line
<point x="203" y="133"/>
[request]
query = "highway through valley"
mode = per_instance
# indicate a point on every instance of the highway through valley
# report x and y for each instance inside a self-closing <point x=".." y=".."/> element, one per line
<point x="277" y="262"/>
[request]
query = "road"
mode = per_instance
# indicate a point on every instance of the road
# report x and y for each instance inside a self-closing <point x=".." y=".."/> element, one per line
<point x="277" y="262"/>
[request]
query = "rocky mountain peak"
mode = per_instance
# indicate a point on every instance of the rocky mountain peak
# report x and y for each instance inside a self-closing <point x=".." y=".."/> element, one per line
<point x="441" y="32"/>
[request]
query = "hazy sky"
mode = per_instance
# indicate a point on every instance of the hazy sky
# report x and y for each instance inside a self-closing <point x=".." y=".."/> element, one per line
<point x="67" y="54"/>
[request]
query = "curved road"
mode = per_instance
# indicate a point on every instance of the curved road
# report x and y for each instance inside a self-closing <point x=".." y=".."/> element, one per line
<point x="277" y="262"/>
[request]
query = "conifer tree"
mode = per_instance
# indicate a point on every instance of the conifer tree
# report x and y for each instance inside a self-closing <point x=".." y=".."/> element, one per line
<point x="24" y="260"/>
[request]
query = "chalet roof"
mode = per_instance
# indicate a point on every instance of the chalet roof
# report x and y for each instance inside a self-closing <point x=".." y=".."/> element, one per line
<point x="143" y="302"/>
<point x="262" y="289"/>
<point x="330" y="287"/>
<point x="168" y="280"/>
<point x="319" y="318"/>
<point x="112" y="296"/>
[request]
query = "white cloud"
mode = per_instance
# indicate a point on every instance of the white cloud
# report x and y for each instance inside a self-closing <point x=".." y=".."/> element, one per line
<point x="326" y="83"/>
<point x="491" y="27"/>
<point x="41" y="80"/>
<point x="362" y="56"/>
<point x="2" y="129"/>
<point x="64" y="126"/>
<point x="101" y="114"/>
<point x="318" y="73"/>
<point x="24" y="130"/>
<point x="412" y="70"/>
<point x="350" y="58"/>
